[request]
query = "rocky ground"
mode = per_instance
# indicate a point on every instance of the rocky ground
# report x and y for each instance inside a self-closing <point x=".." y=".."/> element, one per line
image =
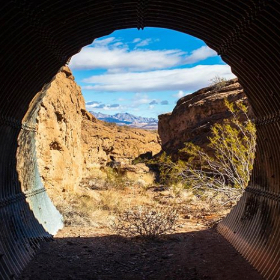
<point x="89" y="249"/>
<point x="195" y="252"/>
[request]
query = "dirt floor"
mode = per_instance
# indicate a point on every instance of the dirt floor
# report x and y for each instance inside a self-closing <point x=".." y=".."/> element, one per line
<point x="193" y="253"/>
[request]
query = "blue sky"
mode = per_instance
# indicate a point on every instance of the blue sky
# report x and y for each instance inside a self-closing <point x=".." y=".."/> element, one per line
<point x="144" y="72"/>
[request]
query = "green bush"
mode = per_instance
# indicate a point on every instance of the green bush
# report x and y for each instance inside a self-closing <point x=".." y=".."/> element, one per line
<point x="227" y="170"/>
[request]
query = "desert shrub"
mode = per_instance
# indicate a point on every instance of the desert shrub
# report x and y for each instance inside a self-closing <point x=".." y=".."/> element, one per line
<point x="77" y="210"/>
<point x="111" y="201"/>
<point x="126" y="127"/>
<point x="146" y="221"/>
<point x="218" y="82"/>
<point x="143" y="158"/>
<point x="91" y="208"/>
<point x="228" y="169"/>
<point x="116" y="179"/>
<point x="111" y="124"/>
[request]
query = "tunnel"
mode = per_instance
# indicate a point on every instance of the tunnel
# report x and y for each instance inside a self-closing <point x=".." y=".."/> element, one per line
<point x="39" y="37"/>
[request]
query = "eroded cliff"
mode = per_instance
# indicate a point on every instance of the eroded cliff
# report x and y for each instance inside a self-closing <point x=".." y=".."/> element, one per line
<point x="194" y="114"/>
<point x="73" y="145"/>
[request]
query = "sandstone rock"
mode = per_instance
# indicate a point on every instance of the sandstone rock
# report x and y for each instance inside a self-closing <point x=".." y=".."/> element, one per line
<point x="106" y="142"/>
<point x="59" y="133"/>
<point x="73" y="146"/>
<point x="194" y="115"/>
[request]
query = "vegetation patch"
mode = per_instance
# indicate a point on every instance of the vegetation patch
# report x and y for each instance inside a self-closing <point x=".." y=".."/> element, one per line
<point x="146" y="221"/>
<point x="197" y="190"/>
<point x="226" y="168"/>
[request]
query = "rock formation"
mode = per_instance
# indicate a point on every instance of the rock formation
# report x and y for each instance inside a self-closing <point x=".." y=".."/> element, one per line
<point x="194" y="115"/>
<point x="72" y="144"/>
<point x="58" y="141"/>
<point x="106" y="142"/>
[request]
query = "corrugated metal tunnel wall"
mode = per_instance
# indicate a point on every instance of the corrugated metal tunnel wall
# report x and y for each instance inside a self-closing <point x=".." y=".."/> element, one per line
<point x="38" y="37"/>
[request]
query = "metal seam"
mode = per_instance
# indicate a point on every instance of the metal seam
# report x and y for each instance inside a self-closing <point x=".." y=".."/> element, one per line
<point x="10" y="122"/>
<point x="240" y="29"/>
<point x="36" y="24"/>
<point x="17" y="124"/>
<point x="141" y="10"/>
<point x="263" y="193"/>
<point x="21" y="196"/>
<point x="268" y="119"/>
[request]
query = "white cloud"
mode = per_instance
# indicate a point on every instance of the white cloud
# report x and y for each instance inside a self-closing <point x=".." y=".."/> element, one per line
<point x="187" y="79"/>
<point x="114" y="56"/>
<point x="105" y="58"/>
<point x="114" y="108"/>
<point x="92" y="104"/>
<point x="180" y="94"/>
<point x="144" y="43"/>
<point x="103" y="42"/>
<point x="136" y="40"/>
<point x="154" y="102"/>
<point x="200" y="54"/>
<point x="118" y="44"/>
<point x="116" y="70"/>
<point x="140" y="99"/>
<point x="106" y="107"/>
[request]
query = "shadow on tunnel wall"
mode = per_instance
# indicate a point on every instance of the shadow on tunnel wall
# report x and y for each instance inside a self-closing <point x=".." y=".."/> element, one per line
<point x="27" y="215"/>
<point x="21" y="231"/>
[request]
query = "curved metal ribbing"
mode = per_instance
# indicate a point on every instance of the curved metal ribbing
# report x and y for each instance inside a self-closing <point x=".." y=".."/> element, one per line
<point x="38" y="37"/>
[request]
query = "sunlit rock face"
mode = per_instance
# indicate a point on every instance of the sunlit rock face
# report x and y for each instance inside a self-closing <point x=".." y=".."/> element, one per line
<point x="58" y="141"/>
<point x="73" y="145"/>
<point x="194" y="114"/>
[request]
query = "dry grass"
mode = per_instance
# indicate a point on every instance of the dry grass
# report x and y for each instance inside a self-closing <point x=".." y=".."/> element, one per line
<point x="146" y="221"/>
<point x="95" y="207"/>
<point x="91" y="208"/>
<point x="124" y="199"/>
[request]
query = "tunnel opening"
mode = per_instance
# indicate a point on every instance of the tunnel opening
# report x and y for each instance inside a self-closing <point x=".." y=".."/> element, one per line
<point x="83" y="253"/>
<point x="241" y="33"/>
<point x="72" y="157"/>
<point x="93" y="197"/>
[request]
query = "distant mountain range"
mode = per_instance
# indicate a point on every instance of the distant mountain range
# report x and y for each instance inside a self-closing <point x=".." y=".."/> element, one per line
<point x="128" y="119"/>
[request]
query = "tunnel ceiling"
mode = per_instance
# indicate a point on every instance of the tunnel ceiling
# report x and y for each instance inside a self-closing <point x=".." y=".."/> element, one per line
<point x="44" y="35"/>
<point x="38" y="37"/>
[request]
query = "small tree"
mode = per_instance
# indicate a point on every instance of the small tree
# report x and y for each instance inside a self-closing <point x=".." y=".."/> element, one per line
<point x="228" y="169"/>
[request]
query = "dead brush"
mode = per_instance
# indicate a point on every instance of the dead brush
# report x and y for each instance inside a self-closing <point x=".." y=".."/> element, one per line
<point x="145" y="221"/>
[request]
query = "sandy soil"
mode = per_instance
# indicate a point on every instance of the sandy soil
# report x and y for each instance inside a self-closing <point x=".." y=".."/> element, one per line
<point x="193" y="253"/>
